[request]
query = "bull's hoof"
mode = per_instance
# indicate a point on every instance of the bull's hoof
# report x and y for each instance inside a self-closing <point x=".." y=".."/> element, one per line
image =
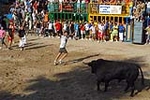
<point x="131" y="95"/>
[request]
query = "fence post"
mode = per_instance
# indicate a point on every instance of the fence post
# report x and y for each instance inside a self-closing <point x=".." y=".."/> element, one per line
<point x="127" y="28"/>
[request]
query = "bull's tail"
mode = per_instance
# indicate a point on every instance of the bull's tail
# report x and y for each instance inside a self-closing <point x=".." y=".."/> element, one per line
<point x="142" y="76"/>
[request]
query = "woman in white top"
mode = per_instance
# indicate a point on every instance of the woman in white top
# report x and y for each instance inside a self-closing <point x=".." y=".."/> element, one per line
<point x="62" y="49"/>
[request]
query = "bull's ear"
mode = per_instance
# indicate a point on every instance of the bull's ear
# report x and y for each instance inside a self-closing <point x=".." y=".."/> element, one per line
<point x="92" y="63"/>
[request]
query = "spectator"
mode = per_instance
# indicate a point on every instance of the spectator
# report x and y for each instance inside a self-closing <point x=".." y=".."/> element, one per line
<point x="87" y="32"/>
<point x="2" y="37"/>
<point x="76" y="28"/>
<point x="51" y="29"/>
<point x="121" y="32"/>
<point x="93" y="32"/>
<point x="148" y="9"/>
<point x="114" y="34"/>
<point x="148" y="34"/>
<point x="11" y="30"/>
<point x="82" y="30"/>
<point x="101" y="31"/>
<point x="22" y="37"/>
<point x="58" y="28"/>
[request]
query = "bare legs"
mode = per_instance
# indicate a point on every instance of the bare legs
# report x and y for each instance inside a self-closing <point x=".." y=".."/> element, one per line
<point x="60" y="57"/>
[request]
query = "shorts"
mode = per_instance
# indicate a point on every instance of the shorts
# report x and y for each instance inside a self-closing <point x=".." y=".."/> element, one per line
<point x="100" y="35"/>
<point x="63" y="50"/>
<point x="10" y="39"/>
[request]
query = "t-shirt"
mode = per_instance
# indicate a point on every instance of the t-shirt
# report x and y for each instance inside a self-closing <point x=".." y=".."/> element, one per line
<point x="46" y="17"/>
<point x="76" y="26"/>
<point x="82" y="28"/>
<point x="115" y="29"/>
<point x="63" y="41"/>
<point x="86" y="26"/>
<point x="2" y="33"/>
<point x="121" y="29"/>
<point x="148" y="5"/>
<point x="50" y="26"/>
<point x="58" y="26"/>
<point x="93" y="29"/>
<point x="65" y="27"/>
<point x="101" y="28"/>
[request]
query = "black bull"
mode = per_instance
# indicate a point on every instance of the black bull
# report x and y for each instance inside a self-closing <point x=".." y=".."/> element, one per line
<point x="106" y="71"/>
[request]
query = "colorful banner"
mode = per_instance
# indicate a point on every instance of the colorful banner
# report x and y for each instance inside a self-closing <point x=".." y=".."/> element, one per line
<point x="110" y="9"/>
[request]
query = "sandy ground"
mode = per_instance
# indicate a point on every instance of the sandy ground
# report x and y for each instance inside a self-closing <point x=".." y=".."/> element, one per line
<point x="31" y="75"/>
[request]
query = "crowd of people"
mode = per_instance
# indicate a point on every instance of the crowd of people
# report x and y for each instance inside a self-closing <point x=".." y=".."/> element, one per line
<point x="27" y="15"/>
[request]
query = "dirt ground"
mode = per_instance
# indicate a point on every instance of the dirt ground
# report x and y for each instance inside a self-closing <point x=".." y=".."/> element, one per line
<point x="31" y="75"/>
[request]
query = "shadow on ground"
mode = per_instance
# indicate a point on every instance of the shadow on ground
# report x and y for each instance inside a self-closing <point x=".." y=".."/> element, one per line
<point x="78" y="84"/>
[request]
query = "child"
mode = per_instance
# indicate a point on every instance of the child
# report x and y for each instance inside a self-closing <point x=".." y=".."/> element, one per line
<point x="62" y="51"/>
<point x="22" y="41"/>
<point x="2" y="37"/>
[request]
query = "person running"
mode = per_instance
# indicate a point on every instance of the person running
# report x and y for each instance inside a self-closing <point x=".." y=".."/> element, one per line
<point x="2" y="37"/>
<point x="62" y="51"/>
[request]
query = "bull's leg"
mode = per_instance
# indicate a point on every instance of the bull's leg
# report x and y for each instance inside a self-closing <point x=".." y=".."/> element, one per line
<point x="132" y="89"/>
<point x="106" y="85"/>
<point x="127" y="87"/>
<point x="98" y="83"/>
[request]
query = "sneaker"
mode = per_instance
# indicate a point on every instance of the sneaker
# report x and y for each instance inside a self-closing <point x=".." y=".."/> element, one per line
<point x="55" y="62"/>
<point x="60" y="61"/>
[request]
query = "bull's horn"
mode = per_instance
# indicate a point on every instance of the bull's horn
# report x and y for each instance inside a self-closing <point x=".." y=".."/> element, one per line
<point x="85" y="63"/>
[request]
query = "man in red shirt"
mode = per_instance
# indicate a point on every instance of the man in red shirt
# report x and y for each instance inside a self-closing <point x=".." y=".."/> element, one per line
<point x="58" y="28"/>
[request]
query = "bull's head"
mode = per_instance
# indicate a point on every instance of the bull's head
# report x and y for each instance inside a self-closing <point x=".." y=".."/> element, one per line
<point x="94" y="65"/>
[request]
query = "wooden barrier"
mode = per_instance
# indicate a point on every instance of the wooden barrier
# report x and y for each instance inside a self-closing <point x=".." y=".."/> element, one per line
<point x="99" y="18"/>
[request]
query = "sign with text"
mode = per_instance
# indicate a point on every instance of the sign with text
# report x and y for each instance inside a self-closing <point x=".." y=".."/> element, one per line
<point x="110" y="9"/>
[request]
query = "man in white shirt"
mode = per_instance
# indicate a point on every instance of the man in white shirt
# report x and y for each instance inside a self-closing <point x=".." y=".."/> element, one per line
<point x="51" y="29"/>
<point x="93" y="32"/>
<point x="148" y="9"/>
<point x="62" y="49"/>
